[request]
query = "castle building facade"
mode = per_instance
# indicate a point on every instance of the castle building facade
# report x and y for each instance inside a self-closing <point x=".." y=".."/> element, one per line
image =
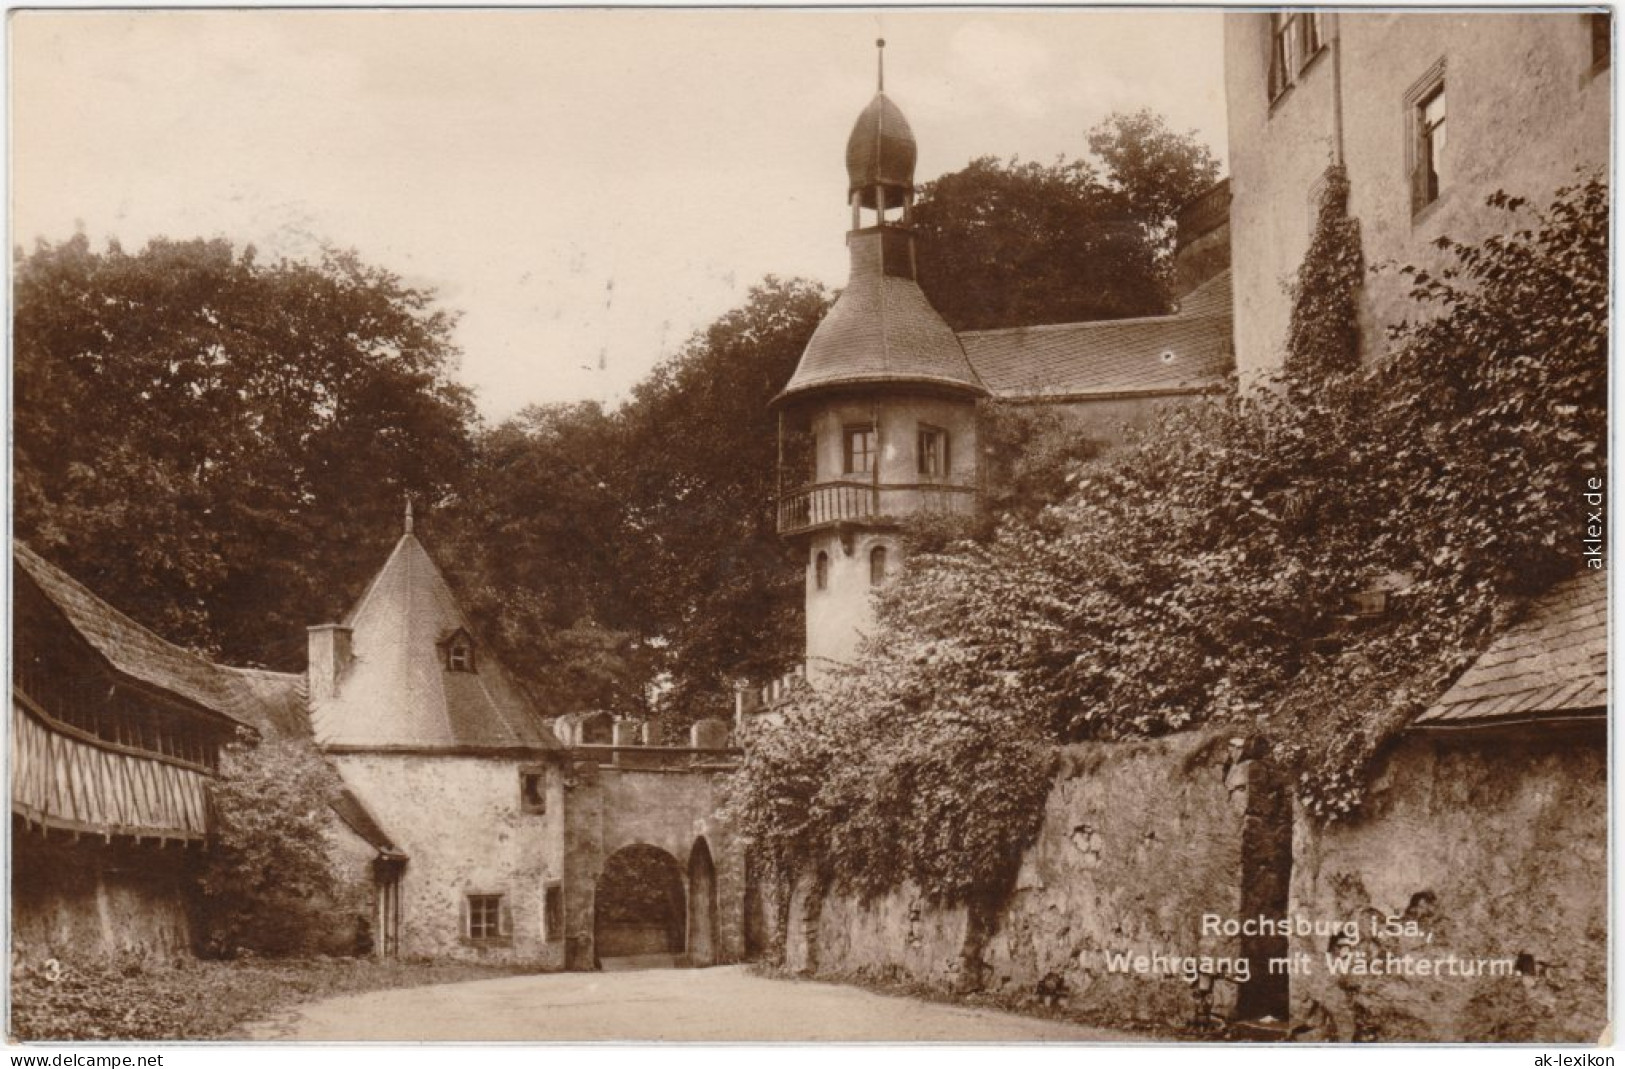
<point x="1428" y="114"/>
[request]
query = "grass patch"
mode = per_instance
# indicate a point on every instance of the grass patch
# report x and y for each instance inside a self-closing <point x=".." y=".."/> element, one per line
<point x="131" y="999"/>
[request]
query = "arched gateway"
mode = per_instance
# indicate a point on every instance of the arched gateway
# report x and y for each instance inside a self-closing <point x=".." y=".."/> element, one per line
<point x="639" y="911"/>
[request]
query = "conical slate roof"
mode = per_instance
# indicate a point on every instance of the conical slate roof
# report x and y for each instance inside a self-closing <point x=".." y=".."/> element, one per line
<point x="398" y="693"/>
<point x="881" y="150"/>
<point x="881" y="330"/>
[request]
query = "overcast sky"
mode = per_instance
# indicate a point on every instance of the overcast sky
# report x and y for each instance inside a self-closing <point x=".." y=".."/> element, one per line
<point x="519" y="162"/>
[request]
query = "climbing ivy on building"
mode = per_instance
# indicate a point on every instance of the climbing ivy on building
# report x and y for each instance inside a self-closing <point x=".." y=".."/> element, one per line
<point x="1209" y="573"/>
<point x="1324" y="335"/>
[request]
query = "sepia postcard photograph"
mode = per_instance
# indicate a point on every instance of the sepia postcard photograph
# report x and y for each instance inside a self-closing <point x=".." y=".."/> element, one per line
<point x="949" y="525"/>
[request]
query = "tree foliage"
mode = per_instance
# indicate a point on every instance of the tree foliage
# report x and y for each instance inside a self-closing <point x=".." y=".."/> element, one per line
<point x="1205" y="574"/>
<point x="1157" y="170"/>
<point x="270" y="881"/>
<point x="221" y="447"/>
<point x="707" y="568"/>
<point x="606" y="552"/>
<point x="535" y="545"/>
<point x="1011" y="243"/>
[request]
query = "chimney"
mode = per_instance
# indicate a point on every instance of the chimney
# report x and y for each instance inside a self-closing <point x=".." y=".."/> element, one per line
<point x="1202" y="238"/>
<point x="329" y="657"/>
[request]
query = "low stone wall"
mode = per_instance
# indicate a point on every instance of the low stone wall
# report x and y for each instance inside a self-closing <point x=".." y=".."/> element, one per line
<point x="1139" y="842"/>
<point x="90" y="899"/>
<point x="1481" y="848"/>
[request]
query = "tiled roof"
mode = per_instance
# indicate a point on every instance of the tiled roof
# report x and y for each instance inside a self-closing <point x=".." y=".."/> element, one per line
<point x="278" y="707"/>
<point x="348" y="808"/>
<point x="267" y="701"/>
<point x="1190" y="350"/>
<point x="1553" y="663"/>
<point x="881" y="330"/>
<point x="397" y="692"/>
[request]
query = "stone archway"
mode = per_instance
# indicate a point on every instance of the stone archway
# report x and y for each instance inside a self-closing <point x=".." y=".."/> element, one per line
<point x="702" y="905"/>
<point x="639" y="908"/>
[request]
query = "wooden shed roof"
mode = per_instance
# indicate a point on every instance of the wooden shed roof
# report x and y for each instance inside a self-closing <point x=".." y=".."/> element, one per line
<point x="270" y="702"/>
<point x="1552" y="664"/>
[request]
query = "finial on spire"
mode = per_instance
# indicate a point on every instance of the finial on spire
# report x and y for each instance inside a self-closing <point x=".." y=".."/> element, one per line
<point x="880" y="55"/>
<point x="408" y="513"/>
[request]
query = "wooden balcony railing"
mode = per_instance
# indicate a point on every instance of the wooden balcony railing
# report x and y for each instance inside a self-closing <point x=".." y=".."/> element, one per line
<point x="824" y="504"/>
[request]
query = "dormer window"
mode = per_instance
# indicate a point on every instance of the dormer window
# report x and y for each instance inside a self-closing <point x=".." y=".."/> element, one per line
<point x="459" y="651"/>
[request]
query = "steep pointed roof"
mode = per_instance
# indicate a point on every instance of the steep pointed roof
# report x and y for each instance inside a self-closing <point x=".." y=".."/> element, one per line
<point x="397" y="692"/>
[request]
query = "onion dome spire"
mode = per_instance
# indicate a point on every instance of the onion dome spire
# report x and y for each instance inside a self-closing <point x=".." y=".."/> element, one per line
<point x="881" y="152"/>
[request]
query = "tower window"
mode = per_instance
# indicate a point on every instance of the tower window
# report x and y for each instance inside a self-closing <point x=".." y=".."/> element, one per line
<point x="860" y="450"/>
<point x="821" y="571"/>
<point x="877" y="565"/>
<point x="460" y="655"/>
<point x="1602" y="42"/>
<point x="932" y="451"/>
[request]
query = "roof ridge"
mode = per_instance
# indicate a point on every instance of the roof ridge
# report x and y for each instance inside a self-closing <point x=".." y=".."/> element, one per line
<point x="1083" y="323"/>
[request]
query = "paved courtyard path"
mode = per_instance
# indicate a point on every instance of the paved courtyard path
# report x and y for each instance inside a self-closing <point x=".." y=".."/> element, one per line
<point x="722" y="1004"/>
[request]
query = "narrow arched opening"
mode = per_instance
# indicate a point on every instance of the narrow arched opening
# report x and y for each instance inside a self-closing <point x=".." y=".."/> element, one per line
<point x="702" y="905"/>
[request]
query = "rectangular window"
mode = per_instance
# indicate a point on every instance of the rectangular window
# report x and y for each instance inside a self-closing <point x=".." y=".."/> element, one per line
<point x="533" y="790"/>
<point x="1294" y="41"/>
<point x="485" y="918"/>
<point x="1281" y="56"/>
<point x="553" y="913"/>
<point x="932" y="450"/>
<point x="1429" y="119"/>
<point x="860" y="450"/>
<point x="1309" y="36"/>
<point x="1602" y="42"/>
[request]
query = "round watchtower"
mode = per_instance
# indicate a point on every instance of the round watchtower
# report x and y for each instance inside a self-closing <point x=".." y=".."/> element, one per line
<point x="878" y="423"/>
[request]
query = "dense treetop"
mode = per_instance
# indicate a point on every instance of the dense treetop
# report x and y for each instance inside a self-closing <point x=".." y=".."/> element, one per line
<point x="1013" y="243"/>
<point x="221" y="447"/>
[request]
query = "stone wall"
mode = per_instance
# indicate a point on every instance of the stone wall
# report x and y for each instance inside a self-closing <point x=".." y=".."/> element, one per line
<point x="89" y="898"/>
<point x="1496" y="847"/>
<point x="609" y="808"/>
<point x="1139" y="841"/>
<point x="461" y="822"/>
